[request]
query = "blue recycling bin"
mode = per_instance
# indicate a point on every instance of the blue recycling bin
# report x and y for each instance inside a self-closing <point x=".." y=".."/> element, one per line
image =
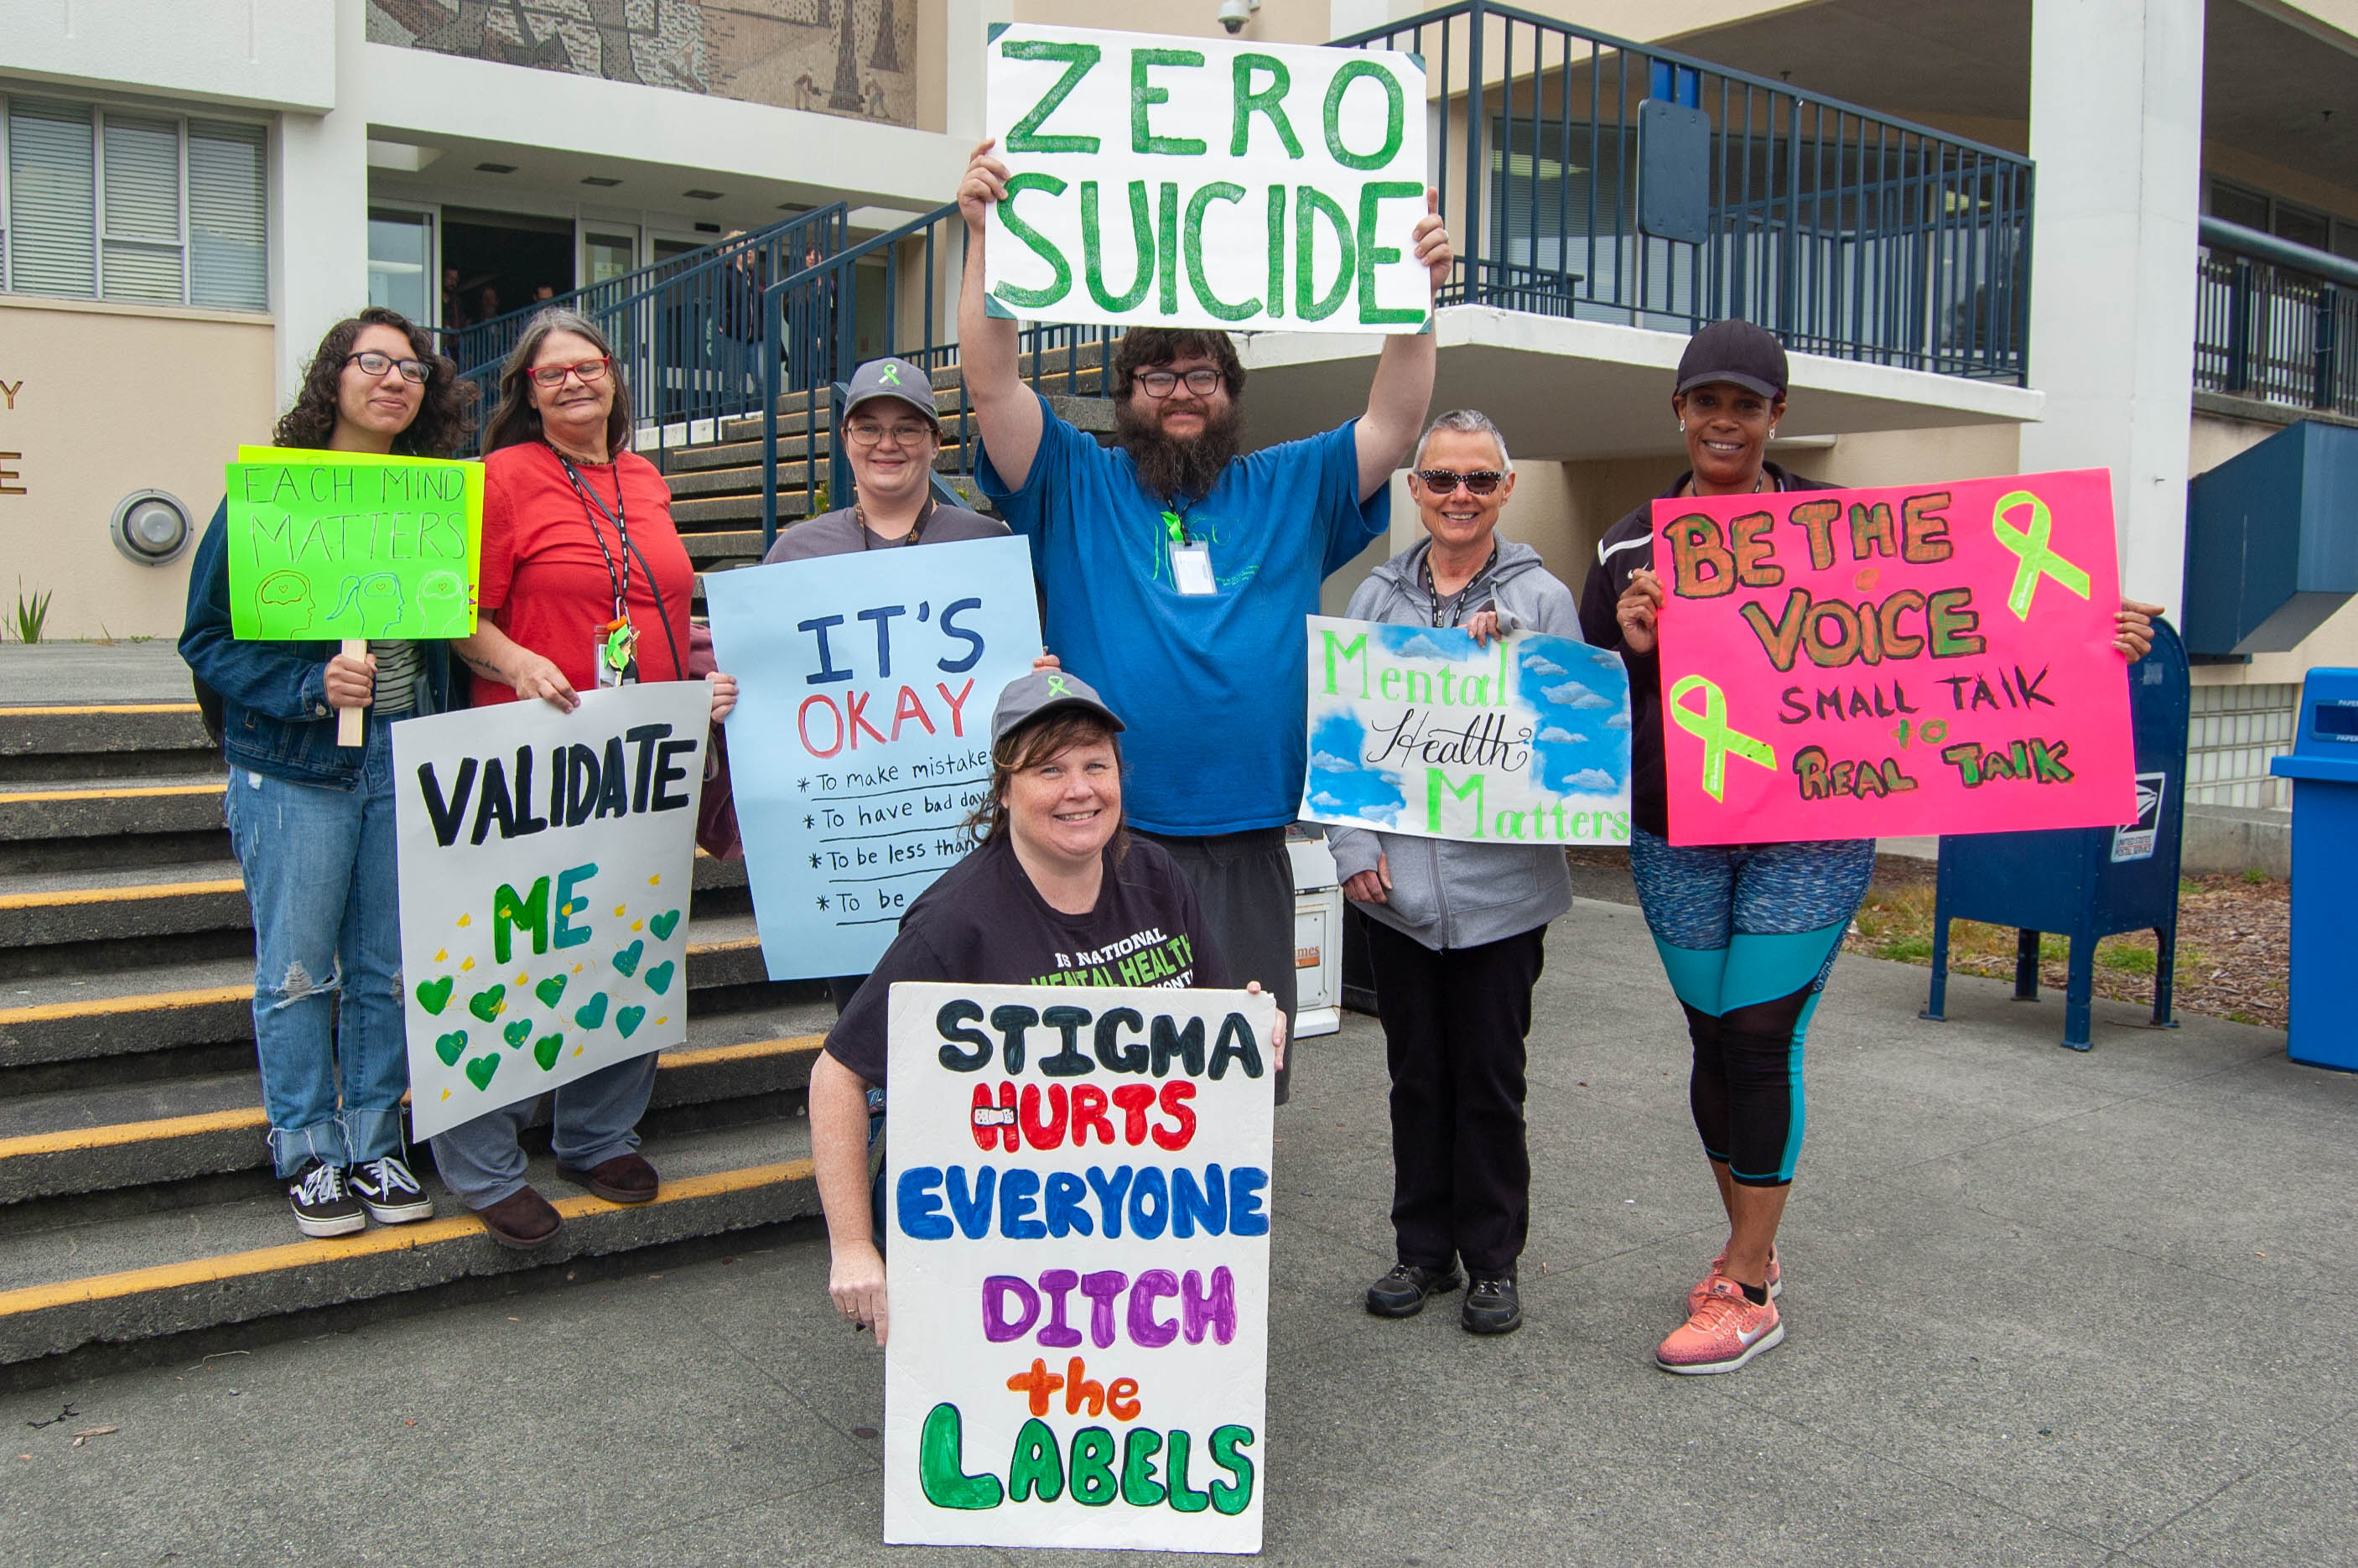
<point x="2324" y="768"/>
<point x="2086" y="882"/>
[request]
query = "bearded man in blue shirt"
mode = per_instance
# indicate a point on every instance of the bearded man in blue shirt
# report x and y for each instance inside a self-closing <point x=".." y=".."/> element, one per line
<point x="1177" y="573"/>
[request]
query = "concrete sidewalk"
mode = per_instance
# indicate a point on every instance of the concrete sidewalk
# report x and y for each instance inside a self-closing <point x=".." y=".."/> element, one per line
<point x="2042" y="1307"/>
<point x="45" y="673"/>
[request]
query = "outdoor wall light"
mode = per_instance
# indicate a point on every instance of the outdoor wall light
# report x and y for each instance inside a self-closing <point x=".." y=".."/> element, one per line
<point x="150" y="527"/>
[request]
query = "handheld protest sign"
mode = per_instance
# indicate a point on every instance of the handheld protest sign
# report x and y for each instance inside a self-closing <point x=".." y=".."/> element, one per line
<point x="861" y="736"/>
<point x="1422" y="730"/>
<point x="1196" y="182"/>
<point x="344" y="546"/>
<point x="1856" y="664"/>
<point x="545" y="863"/>
<point x="1078" y="1222"/>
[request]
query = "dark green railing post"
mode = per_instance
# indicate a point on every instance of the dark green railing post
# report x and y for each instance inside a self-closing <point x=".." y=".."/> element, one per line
<point x="2239" y="328"/>
<point x="2322" y="356"/>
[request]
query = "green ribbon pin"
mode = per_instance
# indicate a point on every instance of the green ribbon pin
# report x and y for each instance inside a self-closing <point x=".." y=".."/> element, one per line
<point x="1710" y="726"/>
<point x="890" y="376"/>
<point x="2037" y="559"/>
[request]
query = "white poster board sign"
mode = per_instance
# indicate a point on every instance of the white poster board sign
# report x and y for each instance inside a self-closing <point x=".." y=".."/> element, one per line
<point x="1422" y="730"/>
<point x="1199" y="182"/>
<point x="545" y="863"/>
<point x="1078" y="1237"/>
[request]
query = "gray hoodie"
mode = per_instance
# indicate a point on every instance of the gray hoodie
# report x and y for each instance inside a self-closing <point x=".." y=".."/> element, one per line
<point x="1444" y="893"/>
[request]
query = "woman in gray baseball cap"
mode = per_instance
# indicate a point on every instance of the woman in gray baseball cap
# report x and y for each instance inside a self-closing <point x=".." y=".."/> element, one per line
<point x="1053" y="894"/>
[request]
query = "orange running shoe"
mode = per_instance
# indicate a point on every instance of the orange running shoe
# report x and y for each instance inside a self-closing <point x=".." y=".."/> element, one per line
<point x="1702" y="1287"/>
<point x="1723" y="1334"/>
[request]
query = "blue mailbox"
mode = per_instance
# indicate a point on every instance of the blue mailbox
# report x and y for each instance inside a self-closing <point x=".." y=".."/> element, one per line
<point x="2324" y="766"/>
<point x="2086" y="882"/>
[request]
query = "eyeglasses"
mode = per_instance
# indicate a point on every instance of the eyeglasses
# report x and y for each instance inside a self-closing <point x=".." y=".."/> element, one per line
<point x="865" y="434"/>
<point x="553" y="376"/>
<point x="1202" y="381"/>
<point x="373" y="364"/>
<point x="1442" y="482"/>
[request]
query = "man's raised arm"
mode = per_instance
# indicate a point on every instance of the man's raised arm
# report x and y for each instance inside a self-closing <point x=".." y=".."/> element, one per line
<point x="1403" y="385"/>
<point x="988" y="346"/>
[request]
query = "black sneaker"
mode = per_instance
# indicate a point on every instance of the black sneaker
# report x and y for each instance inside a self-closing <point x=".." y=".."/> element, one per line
<point x="1491" y="1305"/>
<point x="389" y="1193"/>
<point x="1401" y="1293"/>
<point x="324" y="1205"/>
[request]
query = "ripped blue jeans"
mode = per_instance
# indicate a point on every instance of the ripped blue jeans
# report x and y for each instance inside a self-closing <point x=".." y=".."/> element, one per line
<point x="327" y="1020"/>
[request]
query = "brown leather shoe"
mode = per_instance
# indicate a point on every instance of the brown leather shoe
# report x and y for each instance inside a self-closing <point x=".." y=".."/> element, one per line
<point x="626" y="1178"/>
<point x="522" y="1220"/>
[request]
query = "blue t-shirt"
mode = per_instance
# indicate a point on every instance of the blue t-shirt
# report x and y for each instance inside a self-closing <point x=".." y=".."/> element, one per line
<point x="1213" y="687"/>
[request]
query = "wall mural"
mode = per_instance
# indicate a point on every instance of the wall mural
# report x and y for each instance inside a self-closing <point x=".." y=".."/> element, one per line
<point x="857" y="58"/>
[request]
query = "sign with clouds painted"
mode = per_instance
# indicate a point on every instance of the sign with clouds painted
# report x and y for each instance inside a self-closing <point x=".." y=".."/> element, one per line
<point x="1422" y="730"/>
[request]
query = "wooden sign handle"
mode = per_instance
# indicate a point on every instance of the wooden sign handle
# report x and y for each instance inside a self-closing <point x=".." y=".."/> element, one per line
<point x="352" y="722"/>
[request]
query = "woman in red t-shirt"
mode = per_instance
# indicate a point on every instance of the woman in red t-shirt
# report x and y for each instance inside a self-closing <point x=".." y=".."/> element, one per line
<point x="585" y="583"/>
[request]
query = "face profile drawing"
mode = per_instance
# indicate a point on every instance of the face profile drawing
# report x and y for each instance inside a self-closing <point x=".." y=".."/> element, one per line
<point x="282" y="603"/>
<point x="442" y="603"/>
<point x="374" y="601"/>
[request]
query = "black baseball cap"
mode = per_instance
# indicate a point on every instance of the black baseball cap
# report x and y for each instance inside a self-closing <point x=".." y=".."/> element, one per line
<point x="1044" y="691"/>
<point x="1737" y="352"/>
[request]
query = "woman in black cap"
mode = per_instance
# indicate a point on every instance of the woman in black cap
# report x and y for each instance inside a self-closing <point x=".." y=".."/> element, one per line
<point x="1747" y="931"/>
<point x="1054" y="877"/>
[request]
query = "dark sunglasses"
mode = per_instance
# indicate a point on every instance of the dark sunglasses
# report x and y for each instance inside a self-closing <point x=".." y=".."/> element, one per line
<point x="1441" y="482"/>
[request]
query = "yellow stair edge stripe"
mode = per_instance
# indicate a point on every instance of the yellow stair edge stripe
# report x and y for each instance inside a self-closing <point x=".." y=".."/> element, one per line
<point x="145" y="792"/>
<point x="116" y="1133"/>
<point x="132" y="895"/>
<point x="100" y="707"/>
<point x="311" y="1253"/>
<point x="103" y="1007"/>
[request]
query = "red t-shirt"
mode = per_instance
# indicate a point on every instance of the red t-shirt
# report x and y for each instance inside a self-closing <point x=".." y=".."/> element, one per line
<point x="544" y="582"/>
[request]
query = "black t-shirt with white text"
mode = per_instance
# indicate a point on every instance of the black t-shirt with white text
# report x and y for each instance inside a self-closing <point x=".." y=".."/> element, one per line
<point x="984" y="923"/>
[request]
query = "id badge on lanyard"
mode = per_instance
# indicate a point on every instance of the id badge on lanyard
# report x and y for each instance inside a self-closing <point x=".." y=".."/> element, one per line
<point x="615" y="654"/>
<point x="1191" y="560"/>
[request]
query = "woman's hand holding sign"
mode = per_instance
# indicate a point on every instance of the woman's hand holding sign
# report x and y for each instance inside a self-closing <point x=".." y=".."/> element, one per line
<point x="352" y="680"/>
<point x="1639" y="604"/>
<point x="984" y="187"/>
<point x="2134" y="625"/>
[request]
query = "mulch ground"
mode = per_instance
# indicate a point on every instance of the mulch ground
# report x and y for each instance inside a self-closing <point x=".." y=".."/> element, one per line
<point x="2234" y="937"/>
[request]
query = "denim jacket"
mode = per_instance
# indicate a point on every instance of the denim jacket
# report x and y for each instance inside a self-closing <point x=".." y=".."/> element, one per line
<point x="275" y="714"/>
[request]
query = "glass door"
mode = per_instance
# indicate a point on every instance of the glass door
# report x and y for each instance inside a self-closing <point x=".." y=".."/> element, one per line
<point x="607" y="255"/>
<point x="400" y="263"/>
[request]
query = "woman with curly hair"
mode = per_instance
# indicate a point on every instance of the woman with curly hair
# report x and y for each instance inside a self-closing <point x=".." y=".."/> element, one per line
<point x="311" y="821"/>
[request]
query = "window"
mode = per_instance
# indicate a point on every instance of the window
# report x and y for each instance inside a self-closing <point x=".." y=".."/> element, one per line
<point x="401" y="252"/>
<point x="2285" y="219"/>
<point x="105" y="203"/>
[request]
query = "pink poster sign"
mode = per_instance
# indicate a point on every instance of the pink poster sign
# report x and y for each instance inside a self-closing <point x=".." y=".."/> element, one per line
<point x="1859" y="663"/>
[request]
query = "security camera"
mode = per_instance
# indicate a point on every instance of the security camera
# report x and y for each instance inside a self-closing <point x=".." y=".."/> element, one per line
<point x="1234" y="14"/>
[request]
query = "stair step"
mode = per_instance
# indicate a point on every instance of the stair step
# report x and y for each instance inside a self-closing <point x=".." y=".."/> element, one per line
<point x="72" y="1143"/>
<point x="47" y="747"/>
<point x="727" y="545"/>
<point x="147" y="1274"/>
<point x="87" y="1017"/>
<point x="93" y="809"/>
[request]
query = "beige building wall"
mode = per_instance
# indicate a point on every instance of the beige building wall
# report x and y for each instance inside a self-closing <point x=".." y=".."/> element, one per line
<point x="97" y="401"/>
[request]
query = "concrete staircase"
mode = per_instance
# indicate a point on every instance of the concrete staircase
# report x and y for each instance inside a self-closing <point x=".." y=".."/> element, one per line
<point x="136" y="1196"/>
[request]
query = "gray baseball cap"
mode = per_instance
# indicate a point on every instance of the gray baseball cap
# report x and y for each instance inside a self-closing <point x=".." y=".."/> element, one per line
<point x="893" y="378"/>
<point x="1042" y="691"/>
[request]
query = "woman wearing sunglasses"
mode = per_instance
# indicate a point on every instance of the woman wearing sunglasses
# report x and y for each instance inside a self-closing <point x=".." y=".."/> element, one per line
<point x="312" y="822"/>
<point x="1748" y="932"/>
<point x="585" y="584"/>
<point x="1457" y="932"/>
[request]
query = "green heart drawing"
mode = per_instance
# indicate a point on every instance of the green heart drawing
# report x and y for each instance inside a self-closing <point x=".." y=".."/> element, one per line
<point x="545" y="1050"/>
<point x="514" y="1033"/>
<point x="659" y="977"/>
<point x="549" y="990"/>
<point x="592" y="1013"/>
<point x="435" y="995"/>
<point x="451" y="1046"/>
<point x="627" y="960"/>
<point x="480" y="1071"/>
<point x="626" y="1020"/>
<point x="486" y="1005"/>
<point x="664" y="925"/>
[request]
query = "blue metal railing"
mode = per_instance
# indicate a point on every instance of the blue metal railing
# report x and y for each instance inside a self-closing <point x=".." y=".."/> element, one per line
<point x="687" y="331"/>
<point x="1846" y="232"/>
<point x="2275" y="321"/>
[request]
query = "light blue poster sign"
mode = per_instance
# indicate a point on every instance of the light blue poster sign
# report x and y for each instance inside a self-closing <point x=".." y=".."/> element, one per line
<point x="1422" y="730"/>
<point x="862" y="738"/>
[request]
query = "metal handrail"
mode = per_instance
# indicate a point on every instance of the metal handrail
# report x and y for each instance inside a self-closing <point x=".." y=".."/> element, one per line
<point x="2271" y="319"/>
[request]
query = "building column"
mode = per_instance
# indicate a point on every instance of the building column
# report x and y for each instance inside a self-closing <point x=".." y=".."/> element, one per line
<point x="2116" y="132"/>
<point x="319" y="209"/>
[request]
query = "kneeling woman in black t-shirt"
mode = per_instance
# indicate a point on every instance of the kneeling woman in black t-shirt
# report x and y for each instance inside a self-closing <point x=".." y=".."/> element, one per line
<point x="1055" y="878"/>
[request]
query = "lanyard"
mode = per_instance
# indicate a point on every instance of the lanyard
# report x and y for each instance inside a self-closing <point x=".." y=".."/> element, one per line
<point x="1458" y="600"/>
<point x="917" y="534"/>
<point x="1174" y="523"/>
<point x="618" y="515"/>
